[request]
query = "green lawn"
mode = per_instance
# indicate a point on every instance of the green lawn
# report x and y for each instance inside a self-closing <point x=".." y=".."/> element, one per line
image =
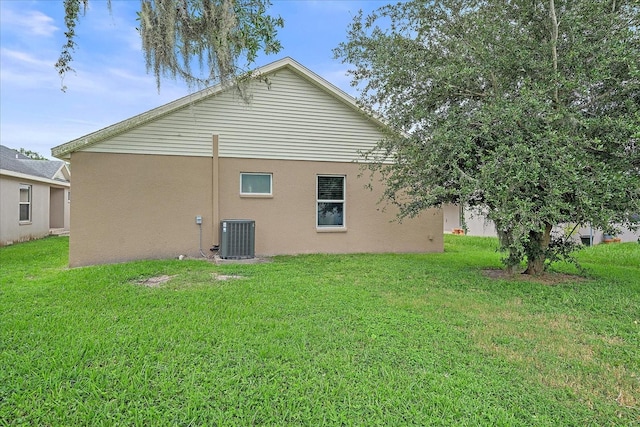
<point x="319" y="340"/>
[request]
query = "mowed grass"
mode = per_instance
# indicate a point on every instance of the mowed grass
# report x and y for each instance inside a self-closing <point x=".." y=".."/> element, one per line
<point x="423" y="339"/>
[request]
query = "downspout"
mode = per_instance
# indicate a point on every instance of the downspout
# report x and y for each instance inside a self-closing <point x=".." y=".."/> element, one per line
<point x="215" y="183"/>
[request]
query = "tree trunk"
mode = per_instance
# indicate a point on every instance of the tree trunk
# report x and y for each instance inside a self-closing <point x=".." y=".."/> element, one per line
<point x="535" y="258"/>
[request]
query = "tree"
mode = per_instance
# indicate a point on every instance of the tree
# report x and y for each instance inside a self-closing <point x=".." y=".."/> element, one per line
<point x="31" y="154"/>
<point x="528" y="110"/>
<point x="178" y="34"/>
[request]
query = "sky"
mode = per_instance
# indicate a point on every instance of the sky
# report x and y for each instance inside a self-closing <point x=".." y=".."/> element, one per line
<point x="110" y="82"/>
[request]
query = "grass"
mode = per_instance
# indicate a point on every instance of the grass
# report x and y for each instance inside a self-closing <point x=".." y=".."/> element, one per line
<point x="423" y="339"/>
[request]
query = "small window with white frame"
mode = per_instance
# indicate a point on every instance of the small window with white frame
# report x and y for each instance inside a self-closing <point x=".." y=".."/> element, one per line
<point x="330" y="201"/>
<point x="256" y="184"/>
<point x="25" y="203"/>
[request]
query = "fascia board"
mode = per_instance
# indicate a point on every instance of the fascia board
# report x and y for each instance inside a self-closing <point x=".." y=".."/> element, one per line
<point x="33" y="178"/>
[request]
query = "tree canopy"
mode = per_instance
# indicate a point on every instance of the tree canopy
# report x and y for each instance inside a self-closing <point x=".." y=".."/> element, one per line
<point x="528" y="110"/>
<point x="31" y="154"/>
<point x="212" y="35"/>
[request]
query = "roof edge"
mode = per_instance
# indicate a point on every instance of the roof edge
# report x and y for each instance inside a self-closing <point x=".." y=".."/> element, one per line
<point x="63" y="151"/>
<point x="35" y="178"/>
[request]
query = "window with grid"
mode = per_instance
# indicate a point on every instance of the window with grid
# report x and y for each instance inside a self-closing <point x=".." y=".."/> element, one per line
<point x="25" y="203"/>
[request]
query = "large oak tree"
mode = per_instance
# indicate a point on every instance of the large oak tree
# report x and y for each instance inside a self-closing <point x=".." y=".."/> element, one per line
<point x="528" y="110"/>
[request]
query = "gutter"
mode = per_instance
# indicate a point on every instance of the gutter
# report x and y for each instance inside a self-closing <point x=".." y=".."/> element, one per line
<point x="34" y="178"/>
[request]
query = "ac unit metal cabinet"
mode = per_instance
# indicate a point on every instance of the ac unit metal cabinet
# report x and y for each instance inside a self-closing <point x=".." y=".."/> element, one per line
<point x="237" y="238"/>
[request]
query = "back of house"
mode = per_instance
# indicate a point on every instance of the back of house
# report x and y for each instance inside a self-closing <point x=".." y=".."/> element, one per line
<point x="287" y="164"/>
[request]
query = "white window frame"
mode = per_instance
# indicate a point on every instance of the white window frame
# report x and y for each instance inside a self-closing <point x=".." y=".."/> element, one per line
<point x="252" y="194"/>
<point x="28" y="203"/>
<point x="343" y="201"/>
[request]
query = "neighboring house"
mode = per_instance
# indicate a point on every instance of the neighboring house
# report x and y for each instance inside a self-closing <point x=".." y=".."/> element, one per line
<point x="158" y="184"/>
<point x="473" y="224"/>
<point x="34" y="197"/>
<point x="476" y="224"/>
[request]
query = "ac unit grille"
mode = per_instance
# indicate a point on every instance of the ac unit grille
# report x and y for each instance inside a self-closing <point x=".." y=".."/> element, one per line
<point x="237" y="238"/>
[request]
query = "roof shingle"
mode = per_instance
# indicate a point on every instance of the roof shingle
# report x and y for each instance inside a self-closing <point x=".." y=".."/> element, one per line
<point x="14" y="161"/>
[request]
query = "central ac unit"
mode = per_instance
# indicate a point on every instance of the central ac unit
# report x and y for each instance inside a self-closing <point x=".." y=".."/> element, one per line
<point x="237" y="238"/>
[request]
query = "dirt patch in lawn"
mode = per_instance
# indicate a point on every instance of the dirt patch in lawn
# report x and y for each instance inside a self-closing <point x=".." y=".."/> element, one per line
<point x="158" y="281"/>
<point x="154" y="282"/>
<point x="549" y="278"/>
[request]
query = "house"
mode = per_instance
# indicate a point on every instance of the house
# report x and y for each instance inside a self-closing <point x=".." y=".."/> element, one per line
<point x="477" y="224"/>
<point x="159" y="184"/>
<point x="34" y="197"/>
<point x="474" y="224"/>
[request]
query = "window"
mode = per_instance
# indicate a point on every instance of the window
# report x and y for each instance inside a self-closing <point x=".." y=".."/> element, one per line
<point x="25" y="203"/>
<point x="255" y="184"/>
<point x="330" y="201"/>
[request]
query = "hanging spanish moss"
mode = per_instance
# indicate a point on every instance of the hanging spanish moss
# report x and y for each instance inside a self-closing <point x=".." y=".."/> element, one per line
<point x="72" y="10"/>
<point x="202" y="42"/>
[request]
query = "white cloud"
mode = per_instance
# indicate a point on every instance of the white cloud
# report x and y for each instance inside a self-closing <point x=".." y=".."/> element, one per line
<point x="29" y="23"/>
<point x="25" y="70"/>
<point x="127" y="75"/>
<point x="118" y="25"/>
<point x="23" y="57"/>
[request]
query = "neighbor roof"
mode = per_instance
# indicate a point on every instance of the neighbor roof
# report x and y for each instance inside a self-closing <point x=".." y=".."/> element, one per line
<point x="64" y="151"/>
<point x="15" y="163"/>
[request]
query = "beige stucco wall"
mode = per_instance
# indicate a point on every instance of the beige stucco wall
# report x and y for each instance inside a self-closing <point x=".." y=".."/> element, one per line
<point x="286" y="223"/>
<point x="11" y="229"/>
<point x="128" y="206"/>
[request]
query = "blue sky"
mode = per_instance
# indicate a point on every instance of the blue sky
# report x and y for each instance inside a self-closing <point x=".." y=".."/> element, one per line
<point x="111" y="82"/>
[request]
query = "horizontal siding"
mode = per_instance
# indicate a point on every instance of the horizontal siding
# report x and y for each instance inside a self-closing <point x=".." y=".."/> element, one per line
<point x="291" y="119"/>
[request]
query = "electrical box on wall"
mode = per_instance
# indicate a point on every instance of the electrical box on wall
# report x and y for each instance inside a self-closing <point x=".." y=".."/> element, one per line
<point x="198" y="219"/>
